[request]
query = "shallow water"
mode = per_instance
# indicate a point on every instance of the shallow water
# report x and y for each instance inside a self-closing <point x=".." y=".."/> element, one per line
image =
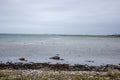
<point x="73" y="49"/>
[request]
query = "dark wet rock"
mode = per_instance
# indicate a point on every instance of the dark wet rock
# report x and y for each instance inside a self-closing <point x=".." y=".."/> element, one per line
<point x="81" y="67"/>
<point x="22" y="59"/>
<point x="31" y="62"/>
<point x="59" y="66"/>
<point x="57" y="54"/>
<point x="90" y="61"/>
<point x="55" y="57"/>
<point x="62" y="59"/>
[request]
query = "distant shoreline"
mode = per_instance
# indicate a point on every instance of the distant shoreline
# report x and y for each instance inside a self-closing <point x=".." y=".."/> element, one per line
<point x="81" y="35"/>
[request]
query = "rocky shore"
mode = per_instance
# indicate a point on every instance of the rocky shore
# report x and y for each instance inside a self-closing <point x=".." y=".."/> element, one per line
<point x="47" y="71"/>
<point x="64" y="67"/>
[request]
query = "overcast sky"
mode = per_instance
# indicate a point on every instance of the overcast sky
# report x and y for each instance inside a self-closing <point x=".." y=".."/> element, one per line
<point x="60" y="16"/>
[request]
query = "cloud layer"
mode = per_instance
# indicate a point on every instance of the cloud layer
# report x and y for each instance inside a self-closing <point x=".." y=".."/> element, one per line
<point x="60" y="16"/>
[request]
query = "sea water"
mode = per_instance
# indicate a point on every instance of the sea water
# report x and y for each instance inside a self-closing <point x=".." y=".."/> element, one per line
<point x="71" y="49"/>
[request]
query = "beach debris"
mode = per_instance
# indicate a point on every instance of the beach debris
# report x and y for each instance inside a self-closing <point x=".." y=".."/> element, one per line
<point x="22" y="59"/>
<point x="55" y="57"/>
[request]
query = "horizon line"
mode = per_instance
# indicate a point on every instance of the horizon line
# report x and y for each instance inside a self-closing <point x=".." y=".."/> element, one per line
<point x="116" y="35"/>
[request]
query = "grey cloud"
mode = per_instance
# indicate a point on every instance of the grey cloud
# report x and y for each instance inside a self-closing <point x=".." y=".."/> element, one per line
<point x="66" y="16"/>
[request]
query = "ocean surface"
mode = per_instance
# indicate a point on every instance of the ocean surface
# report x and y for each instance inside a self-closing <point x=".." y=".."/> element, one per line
<point x="72" y="49"/>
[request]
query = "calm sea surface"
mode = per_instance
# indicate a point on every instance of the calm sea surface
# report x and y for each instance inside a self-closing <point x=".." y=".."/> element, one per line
<point x="73" y="49"/>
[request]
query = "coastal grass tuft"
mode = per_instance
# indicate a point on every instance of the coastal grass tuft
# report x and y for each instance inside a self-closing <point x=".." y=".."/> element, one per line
<point x="3" y="75"/>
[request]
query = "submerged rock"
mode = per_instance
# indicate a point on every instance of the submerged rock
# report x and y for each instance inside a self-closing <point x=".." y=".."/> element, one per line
<point x="90" y="61"/>
<point x="55" y="57"/>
